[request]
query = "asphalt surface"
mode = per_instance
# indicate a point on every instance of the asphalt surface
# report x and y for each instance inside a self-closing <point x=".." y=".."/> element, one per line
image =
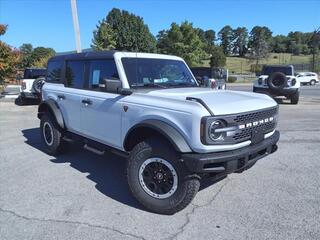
<point x="80" y="195"/>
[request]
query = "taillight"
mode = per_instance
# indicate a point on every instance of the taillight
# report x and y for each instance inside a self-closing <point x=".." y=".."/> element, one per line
<point x="213" y="84"/>
<point x="23" y="85"/>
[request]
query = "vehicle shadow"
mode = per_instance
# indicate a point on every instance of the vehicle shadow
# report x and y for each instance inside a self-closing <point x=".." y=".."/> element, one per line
<point x="107" y="171"/>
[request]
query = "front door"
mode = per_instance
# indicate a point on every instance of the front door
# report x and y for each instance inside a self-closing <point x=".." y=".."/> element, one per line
<point x="101" y="111"/>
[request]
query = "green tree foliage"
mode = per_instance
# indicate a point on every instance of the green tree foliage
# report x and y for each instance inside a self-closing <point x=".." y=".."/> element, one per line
<point x="122" y="30"/>
<point x="218" y="58"/>
<point x="279" y="44"/>
<point x="240" y="41"/>
<point x="104" y="37"/>
<point x="182" y="40"/>
<point x="26" y="50"/>
<point x="34" y="57"/>
<point x="226" y="38"/>
<point x="259" y="41"/>
<point x="9" y="57"/>
<point x="208" y="37"/>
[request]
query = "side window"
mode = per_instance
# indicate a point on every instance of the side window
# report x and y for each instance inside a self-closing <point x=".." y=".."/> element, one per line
<point x="75" y="74"/>
<point x="100" y="70"/>
<point x="54" y="71"/>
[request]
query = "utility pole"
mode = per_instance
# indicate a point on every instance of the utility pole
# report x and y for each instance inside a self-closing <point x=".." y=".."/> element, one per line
<point x="76" y="24"/>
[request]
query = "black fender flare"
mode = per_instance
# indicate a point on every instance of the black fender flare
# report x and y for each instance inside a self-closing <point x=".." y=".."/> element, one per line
<point x="51" y="106"/>
<point x="167" y="131"/>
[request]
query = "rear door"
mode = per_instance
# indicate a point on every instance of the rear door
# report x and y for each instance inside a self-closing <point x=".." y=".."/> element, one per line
<point x="100" y="110"/>
<point x="69" y="96"/>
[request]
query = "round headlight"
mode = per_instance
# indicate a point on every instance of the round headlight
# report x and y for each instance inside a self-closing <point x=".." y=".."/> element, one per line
<point x="216" y="135"/>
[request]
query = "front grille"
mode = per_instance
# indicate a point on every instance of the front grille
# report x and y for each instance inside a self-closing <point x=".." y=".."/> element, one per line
<point x="245" y="134"/>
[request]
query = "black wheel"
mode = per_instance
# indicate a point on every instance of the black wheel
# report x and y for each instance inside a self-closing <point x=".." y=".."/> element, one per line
<point x="277" y="81"/>
<point x="158" y="180"/>
<point x="313" y="82"/>
<point x="294" y="99"/>
<point x="51" y="136"/>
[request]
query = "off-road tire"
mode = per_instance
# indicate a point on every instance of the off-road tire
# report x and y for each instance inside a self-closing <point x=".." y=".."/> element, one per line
<point x="37" y="85"/>
<point x="277" y="81"/>
<point x="188" y="184"/>
<point x="58" y="145"/>
<point x="294" y="98"/>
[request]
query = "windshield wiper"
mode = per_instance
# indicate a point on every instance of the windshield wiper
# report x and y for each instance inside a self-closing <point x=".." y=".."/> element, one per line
<point x="148" y="85"/>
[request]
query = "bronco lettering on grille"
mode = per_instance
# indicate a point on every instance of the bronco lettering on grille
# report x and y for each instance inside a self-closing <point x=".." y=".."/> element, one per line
<point x="256" y="123"/>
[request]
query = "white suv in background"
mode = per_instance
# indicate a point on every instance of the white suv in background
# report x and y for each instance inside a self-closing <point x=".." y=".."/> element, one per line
<point x="33" y="79"/>
<point x="306" y="78"/>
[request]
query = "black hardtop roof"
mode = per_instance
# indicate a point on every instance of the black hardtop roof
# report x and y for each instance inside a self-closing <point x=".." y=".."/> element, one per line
<point x="266" y="65"/>
<point x="84" y="55"/>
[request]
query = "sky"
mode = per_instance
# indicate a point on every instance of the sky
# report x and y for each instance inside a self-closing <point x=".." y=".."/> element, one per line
<point x="49" y="23"/>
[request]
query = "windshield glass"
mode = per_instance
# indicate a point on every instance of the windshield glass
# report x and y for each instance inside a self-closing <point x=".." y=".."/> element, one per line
<point x="162" y="73"/>
<point x="270" y="70"/>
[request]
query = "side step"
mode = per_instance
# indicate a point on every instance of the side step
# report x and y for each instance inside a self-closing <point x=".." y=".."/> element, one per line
<point x="94" y="150"/>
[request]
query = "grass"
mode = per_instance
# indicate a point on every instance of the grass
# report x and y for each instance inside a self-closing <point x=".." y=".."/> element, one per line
<point x="242" y="65"/>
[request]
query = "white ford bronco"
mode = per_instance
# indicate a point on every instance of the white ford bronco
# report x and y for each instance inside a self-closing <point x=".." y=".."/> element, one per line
<point x="278" y="80"/>
<point x="149" y="108"/>
<point x="31" y="84"/>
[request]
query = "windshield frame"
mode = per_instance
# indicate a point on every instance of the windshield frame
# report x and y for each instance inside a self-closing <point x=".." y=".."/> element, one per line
<point x="185" y="71"/>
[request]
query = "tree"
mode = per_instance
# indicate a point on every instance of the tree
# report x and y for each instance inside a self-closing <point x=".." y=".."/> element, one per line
<point x="240" y="41"/>
<point x="34" y="57"/>
<point x="104" y="37"/>
<point x="9" y="57"/>
<point x="3" y="29"/>
<point x="122" y="30"/>
<point x="182" y="40"/>
<point x="208" y="37"/>
<point x="226" y="37"/>
<point x="217" y="59"/>
<point x="279" y="44"/>
<point x="259" y="41"/>
<point x="26" y="50"/>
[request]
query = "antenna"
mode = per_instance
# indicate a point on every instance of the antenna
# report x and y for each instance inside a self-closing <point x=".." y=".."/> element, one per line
<point x="76" y="24"/>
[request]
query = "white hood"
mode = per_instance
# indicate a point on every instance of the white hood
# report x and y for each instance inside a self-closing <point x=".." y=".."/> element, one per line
<point x="220" y="101"/>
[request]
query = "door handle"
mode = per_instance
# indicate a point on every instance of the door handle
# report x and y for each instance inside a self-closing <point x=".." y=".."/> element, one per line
<point x="61" y="97"/>
<point x="86" y="102"/>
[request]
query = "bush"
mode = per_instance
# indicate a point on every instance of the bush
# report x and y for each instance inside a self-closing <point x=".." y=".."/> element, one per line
<point x="232" y="79"/>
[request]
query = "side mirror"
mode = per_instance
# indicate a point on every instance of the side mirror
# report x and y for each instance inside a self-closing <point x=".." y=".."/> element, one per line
<point x="115" y="86"/>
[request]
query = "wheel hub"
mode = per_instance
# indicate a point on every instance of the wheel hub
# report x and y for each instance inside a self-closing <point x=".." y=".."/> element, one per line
<point x="158" y="178"/>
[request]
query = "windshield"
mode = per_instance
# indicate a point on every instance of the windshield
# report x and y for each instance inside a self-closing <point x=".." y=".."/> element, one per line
<point x="284" y="70"/>
<point x="161" y="73"/>
<point x="34" y="73"/>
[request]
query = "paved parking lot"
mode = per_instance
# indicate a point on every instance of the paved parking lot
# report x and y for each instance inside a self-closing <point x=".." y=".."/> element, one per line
<point x="84" y="196"/>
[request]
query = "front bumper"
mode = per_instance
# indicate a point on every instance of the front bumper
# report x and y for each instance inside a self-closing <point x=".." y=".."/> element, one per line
<point x="279" y="92"/>
<point x="231" y="161"/>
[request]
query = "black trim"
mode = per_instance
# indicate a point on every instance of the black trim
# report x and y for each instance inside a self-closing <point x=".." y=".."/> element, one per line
<point x="279" y="92"/>
<point x="175" y="138"/>
<point x="201" y="102"/>
<point x="54" y="109"/>
<point x="231" y="161"/>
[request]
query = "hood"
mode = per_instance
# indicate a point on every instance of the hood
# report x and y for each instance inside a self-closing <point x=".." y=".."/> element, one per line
<point x="220" y="101"/>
